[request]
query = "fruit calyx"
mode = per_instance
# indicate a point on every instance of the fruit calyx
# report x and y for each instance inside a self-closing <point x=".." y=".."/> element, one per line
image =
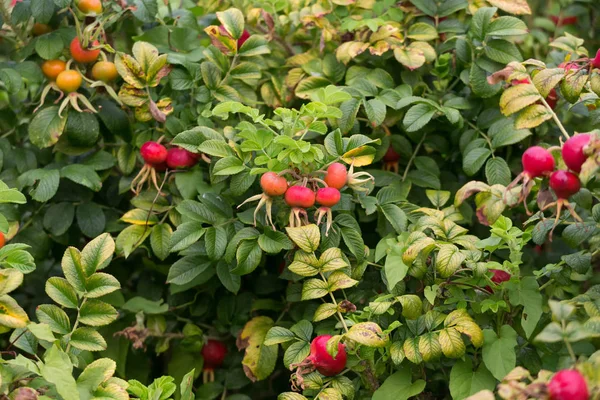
<point x="568" y="384"/>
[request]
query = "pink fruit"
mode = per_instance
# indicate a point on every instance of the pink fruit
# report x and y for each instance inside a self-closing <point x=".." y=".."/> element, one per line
<point x="243" y="38"/>
<point x="564" y="183"/>
<point x="572" y="151"/>
<point x="568" y="384"/>
<point x="596" y="60"/>
<point x="178" y="158"/>
<point x="499" y="276"/>
<point x="552" y="99"/>
<point x="337" y="176"/>
<point x="272" y="184"/>
<point x="328" y="197"/>
<point x="300" y="196"/>
<point x="537" y="161"/>
<point x="323" y="361"/>
<point x="153" y="153"/>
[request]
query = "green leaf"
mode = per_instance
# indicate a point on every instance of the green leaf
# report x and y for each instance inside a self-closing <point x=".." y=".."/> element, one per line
<point x="464" y="381"/>
<point x="186" y="269"/>
<point x="527" y="294"/>
<point x="90" y="219"/>
<point x="422" y="31"/>
<point x="306" y="237"/>
<point x="395" y="270"/>
<point x="49" y="46"/>
<point x="160" y="240"/>
<point x="228" y="166"/>
<point x="54" y="317"/>
<point x="231" y="281"/>
<point x="395" y="216"/>
<point x="499" y="351"/>
<point x="46" y="127"/>
<point x="474" y="160"/>
<point x="255" y="45"/>
<point x="186" y="234"/>
<point x="11" y="79"/>
<point x="412" y="306"/>
<point x="248" y="257"/>
<point x="399" y="386"/>
<point x="131" y="238"/>
<point x="552" y="333"/>
<point x="368" y="334"/>
<point x="324" y="311"/>
<point x="73" y="269"/>
<point x="274" y="242"/>
<point x="97" y="254"/>
<point x="83" y="175"/>
<point x="211" y="74"/>
<point x="94" y="374"/>
<point x="41" y="331"/>
<point x="59" y="290"/>
<point x="497" y="172"/>
<point x="506" y="26"/>
<point x="375" y="110"/>
<point x="100" y="284"/>
<point x="278" y="334"/>
<point x="87" y="339"/>
<point x="150" y="307"/>
<point x="479" y="83"/>
<point x="57" y="369"/>
<point x="481" y="22"/>
<point x="296" y="353"/>
<point x="97" y="313"/>
<point x="417" y="117"/>
<point x="145" y="10"/>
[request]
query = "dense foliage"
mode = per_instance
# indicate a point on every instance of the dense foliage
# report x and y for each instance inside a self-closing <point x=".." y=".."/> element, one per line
<point x="306" y="199"/>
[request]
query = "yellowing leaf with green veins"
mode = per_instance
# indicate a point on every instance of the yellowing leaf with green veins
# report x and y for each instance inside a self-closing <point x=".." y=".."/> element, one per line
<point x="410" y="58"/>
<point x="11" y="313"/>
<point x="517" y="97"/>
<point x="472" y="330"/>
<point x="314" y="289"/>
<point x="324" y="311"/>
<point x="339" y="280"/>
<point x="451" y="343"/>
<point x="10" y="279"/>
<point x="304" y="264"/>
<point x="411" y="350"/>
<point x="429" y="346"/>
<point x="418" y="243"/>
<point x="330" y="394"/>
<point x="573" y="84"/>
<point x="348" y="50"/>
<point x="259" y="359"/>
<point x="306" y="237"/>
<point x="138" y="216"/>
<point x="532" y="116"/>
<point x="397" y="353"/>
<point x="547" y="79"/>
<point x="448" y="261"/>
<point x="368" y="334"/>
<point x="360" y="156"/>
<point x="411" y="306"/>
<point x="291" y="396"/>
<point x="130" y="70"/>
<point x="331" y="260"/>
<point x="516" y="7"/>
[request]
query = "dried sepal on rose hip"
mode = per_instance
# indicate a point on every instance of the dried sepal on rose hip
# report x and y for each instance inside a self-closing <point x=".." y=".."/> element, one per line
<point x="537" y="162"/>
<point x="319" y="359"/>
<point x="359" y="181"/>
<point x="299" y="198"/>
<point x="273" y="185"/>
<point x="326" y="198"/>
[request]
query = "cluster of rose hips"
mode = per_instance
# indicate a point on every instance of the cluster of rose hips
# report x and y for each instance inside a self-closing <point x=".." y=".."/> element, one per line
<point x="539" y="162"/>
<point x="158" y="159"/>
<point x="300" y="196"/>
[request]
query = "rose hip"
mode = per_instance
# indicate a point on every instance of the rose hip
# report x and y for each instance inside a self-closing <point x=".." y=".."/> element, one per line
<point x="565" y="184"/>
<point x="272" y="184"/>
<point x="153" y="153"/>
<point x="328" y="197"/>
<point x="337" y="176"/>
<point x="214" y="353"/>
<point x="300" y="196"/>
<point x="568" y="384"/>
<point x="323" y="361"/>
<point x="178" y="158"/>
<point x="537" y="161"/>
<point x="572" y="151"/>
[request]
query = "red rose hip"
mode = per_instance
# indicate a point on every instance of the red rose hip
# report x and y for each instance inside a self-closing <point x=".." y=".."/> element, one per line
<point x="568" y="384"/>
<point x="328" y="197"/>
<point x="323" y="361"/>
<point x="272" y="184"/>
<point x="300" y="196"/>
<point x="391" y="155"/>
<point x="153" y="153"/>
<point x="572" y="151"/>
<point x="214" y="353"/>
<point x="565" y="184"/>
<point x="537" y="161"/>
<point x="337" y="176"/>
<point x="178" y="158"/>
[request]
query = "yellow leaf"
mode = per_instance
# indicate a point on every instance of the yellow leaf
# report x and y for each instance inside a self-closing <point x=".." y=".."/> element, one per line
<point x="368" y="334"/>
<point x="517" y="7"/>
<point x="517" y="97"/>
<point x="532" y="116"/>
<point x="11" y="313"/>
<point x="360" y="156"/>
<point x="259" y="360"/>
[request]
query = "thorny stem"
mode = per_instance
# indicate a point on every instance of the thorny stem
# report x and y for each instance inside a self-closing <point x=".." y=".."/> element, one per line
<point x="340" y="316"/>
<point x="555" y="118"/>
<point x="412" y="158"/>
